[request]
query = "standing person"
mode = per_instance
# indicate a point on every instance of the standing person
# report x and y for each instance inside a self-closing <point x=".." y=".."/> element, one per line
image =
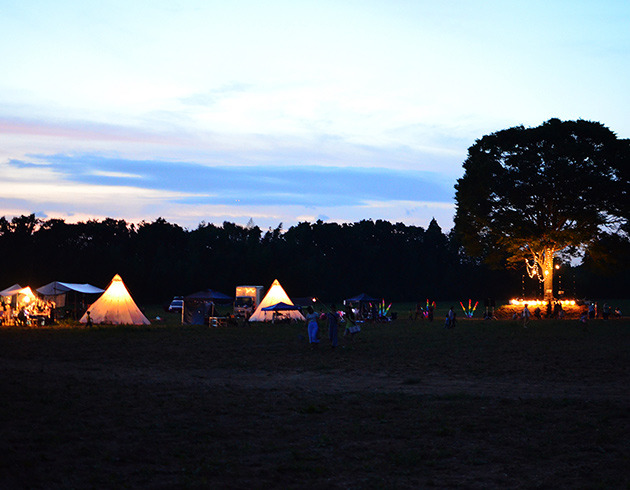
<point x="606" y="311"/>
<point x="525" y="315"/>
<point x="556" y="309"/>
<point x="351" y="327"/>
<point x="560" y="311"/>
<point x="430" y="314"/>
<point x="311" y="323"/>
<point x="537" y="313"/>
<point x="333" y="325"/>
<point x="591" y="311"/>
<point x="419" y="312"/>
<point x="451" y="318"/>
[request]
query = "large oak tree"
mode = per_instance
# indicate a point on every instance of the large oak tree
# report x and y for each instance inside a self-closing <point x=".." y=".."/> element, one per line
<point x="529" y="194"/>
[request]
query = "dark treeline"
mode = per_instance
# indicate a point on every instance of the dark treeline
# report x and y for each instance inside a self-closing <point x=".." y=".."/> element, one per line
<point x="158" y="260"/>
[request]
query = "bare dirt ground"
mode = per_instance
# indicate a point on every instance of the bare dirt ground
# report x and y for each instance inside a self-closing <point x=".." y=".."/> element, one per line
<point x="403" y="406"/>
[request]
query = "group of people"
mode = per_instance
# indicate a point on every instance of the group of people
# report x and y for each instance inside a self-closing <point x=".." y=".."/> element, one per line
<point x="593" y="311"/>
<point x="555" y="311"/>
<point x="28" y="314"/>
<point x="558" y="312"/>
<point x="451" y="318"/>
<point x="423" y="313"/>
<point x="333" y="319"/>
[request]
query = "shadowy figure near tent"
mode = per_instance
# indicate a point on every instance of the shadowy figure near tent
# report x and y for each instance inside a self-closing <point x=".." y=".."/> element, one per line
<point x="333" y="325"/>
<point x="451" y="318"/>
<point x="311" y="325"/>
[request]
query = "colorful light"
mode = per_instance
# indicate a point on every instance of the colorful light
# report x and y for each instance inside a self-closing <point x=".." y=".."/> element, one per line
<point x="425" y="313"/>
<point x="470" y="311"/>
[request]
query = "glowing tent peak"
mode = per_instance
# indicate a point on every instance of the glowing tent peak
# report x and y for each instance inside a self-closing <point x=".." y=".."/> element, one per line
<point x="116" y="306"/>
<point x="117" y="288"/>
<point x="27" y="291"/>
<point x="274" y="296"/>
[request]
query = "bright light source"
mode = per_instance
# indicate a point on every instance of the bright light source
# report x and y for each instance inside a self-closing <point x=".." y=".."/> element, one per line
<point x="540" y="302"/>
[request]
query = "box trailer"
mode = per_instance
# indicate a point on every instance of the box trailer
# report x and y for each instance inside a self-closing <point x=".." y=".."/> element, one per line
<point x="247" y="298"/>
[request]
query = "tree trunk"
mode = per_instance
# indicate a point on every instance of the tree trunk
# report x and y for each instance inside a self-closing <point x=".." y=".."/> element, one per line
<point x="548" y="275"/>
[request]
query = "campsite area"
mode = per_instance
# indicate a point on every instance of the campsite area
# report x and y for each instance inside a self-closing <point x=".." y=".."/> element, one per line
<point x="406" y="404"/>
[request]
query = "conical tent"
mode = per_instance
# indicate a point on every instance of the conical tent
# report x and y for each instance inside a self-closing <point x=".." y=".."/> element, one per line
<point x="26" y="292"/>
<point x="116" y="307"/>
<point x="274" y="296"/>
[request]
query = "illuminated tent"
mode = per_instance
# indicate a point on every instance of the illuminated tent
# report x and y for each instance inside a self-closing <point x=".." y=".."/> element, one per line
<point x="116" y="307"/>
<point x="18" y="296"/>
<point x="274" y="296"/>
<point x="25" y="295"/>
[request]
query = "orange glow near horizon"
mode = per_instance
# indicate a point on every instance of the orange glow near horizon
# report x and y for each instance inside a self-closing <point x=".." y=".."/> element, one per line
<point x="540" y="302"/>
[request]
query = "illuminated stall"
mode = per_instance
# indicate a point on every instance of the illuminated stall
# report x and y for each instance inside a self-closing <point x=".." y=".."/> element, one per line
<point x="21" y="307"/>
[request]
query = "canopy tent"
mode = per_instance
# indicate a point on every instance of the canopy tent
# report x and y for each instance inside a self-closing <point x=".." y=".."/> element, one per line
<point x="363" y="298"/>
<point x="274" y="296"/>
<point x="19" y="295"/>
<point x="10" y="291"/>
<point x="211" y="295"/>
<point x="115" y="306"/>
<point x="279" y="310"/>
<point x="198" y="307"/>
<point x="54" y="288"/>
<point x="69" y="294"/>
<point x="22" y="306"/>
<point x="363" y="306"/>
<point x="281" y="307"/>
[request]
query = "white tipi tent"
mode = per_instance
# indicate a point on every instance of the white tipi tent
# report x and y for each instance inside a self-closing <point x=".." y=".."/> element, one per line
<point x="274" y="296"/>
<point x="115" y="306"/>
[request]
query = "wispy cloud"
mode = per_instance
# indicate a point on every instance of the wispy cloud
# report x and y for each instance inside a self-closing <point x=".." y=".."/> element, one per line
<point x="211" y="97"/>
<point x="285" y="110"/>
<point x="116" y="175"/>
<point x="185" y="190"/>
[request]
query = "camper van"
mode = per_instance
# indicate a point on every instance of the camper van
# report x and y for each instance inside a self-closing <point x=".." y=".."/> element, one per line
<point x="247" y="298"/>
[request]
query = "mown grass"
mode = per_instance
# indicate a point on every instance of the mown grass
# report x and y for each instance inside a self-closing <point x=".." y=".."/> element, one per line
<point x="80" y="408"/>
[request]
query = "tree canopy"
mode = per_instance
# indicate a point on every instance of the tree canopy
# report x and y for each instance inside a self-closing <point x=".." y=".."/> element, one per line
<point x="528" y="194"/>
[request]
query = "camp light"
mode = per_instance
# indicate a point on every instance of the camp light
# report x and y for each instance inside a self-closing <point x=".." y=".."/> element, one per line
<point x="540" y="302"/>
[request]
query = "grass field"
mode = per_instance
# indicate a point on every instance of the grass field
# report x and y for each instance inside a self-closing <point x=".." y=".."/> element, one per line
<point x="403" y="405"/>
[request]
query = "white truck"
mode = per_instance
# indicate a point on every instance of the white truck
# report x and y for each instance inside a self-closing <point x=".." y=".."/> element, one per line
<point x="247" y="298"/>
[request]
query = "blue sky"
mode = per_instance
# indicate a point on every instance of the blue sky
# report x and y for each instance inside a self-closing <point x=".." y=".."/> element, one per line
<point x="285" y="111"/>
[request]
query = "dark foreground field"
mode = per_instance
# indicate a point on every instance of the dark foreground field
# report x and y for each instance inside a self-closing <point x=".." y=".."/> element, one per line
<point x="406" y="405"/>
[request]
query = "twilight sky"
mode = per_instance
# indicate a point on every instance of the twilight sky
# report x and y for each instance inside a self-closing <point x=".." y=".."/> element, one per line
<point x="285" y="111"/>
